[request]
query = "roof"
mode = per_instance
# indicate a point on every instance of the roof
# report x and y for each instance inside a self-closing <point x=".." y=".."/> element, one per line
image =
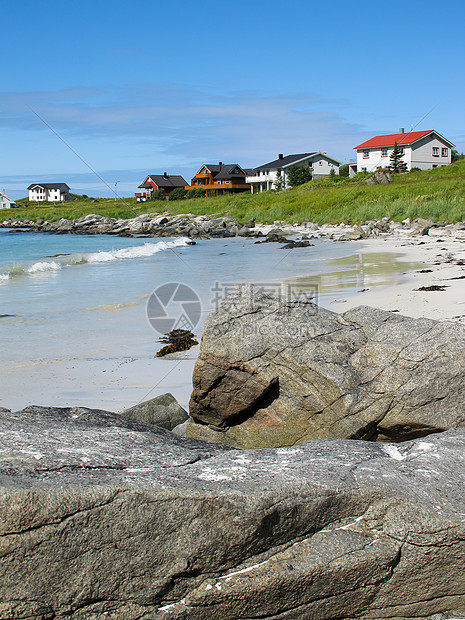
<point x="171" y="180"/>
<point x="285" y="161"/>
<point x="408" y="137"/>
<point x="48" y="185"/>
<point x="2" y="195"/>
<point x="227" y="172"/>
<point x="223" y="171"/>
<point x="291" y="160"/>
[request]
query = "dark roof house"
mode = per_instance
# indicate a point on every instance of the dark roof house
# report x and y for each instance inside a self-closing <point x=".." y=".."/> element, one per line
<point x="217" y="179"/>
<point x="266" y="176"/>
<point x="154" y="182"/>
<point x="48" y="192"/>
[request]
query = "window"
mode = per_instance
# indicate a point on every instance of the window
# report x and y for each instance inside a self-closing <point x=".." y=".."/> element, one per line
<point x="401" y="149"/>
<point x="383" y="152"/>
<point x="320" y="163"/>
<point x="366" y="154"/>
<point x="444" y="152"/>
<point x="435" y="151"/>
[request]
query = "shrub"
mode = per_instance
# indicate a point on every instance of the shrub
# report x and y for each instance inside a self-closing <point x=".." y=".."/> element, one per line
<point x="197" y="192"/>
<point x="177" y="194"/>
<point x="159" y="194"/>
<point x="299" y="175"/>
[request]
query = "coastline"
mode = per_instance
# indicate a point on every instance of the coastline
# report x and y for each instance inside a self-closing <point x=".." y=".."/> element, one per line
<point x="442" y="251"/>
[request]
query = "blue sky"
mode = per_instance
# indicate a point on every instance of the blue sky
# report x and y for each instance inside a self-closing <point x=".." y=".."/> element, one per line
<point x="143" y="86"/>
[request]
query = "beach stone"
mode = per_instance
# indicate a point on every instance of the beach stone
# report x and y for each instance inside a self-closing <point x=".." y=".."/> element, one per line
<point x="163" y="411"/>
<point x="180" y="429"/>
<point x="107" y="517"/>
<point x="354" y="235"/>
<point x="421" y="227"/>
<point x="366" y="374"/>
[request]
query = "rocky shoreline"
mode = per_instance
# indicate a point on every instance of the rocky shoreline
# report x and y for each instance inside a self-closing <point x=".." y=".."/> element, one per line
<point x="108" y="515"/>
<point x="149" y="515"/>
<point x="189" y="225"/>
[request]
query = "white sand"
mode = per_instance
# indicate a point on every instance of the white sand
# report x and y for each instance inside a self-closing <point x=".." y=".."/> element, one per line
<point x="441" y="252"/>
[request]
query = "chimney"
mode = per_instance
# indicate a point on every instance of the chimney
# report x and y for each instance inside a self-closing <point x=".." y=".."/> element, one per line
<point x="165" y="175"/>
<point x="401" y="130"/>
<point x="280" y="156"/>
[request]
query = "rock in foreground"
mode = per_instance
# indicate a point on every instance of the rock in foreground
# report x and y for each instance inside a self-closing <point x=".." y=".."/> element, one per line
<point x="163" y="411"/>
<point x="108" y="518"/>
<point x="273" y="372"/>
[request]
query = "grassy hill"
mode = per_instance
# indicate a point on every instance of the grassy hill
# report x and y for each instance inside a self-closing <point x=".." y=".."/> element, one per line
<point x="437" y="194"/>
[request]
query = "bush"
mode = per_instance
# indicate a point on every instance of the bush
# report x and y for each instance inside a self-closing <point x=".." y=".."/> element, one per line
<point x="197" y="192"/>
<point x="299" y="175"/>
<point x="158" y="195"/>
<point x="177" y="194"/>
<point x="344" y="170"/>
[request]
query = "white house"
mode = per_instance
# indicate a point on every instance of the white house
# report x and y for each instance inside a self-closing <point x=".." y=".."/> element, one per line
<point x="5" y="202"/>
<point x="264" y="177"/>
<point x="421" y="149"/>
<point x="48" y="192"/>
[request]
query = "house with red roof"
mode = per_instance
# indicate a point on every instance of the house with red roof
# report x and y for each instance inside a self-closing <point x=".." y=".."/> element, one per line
<point x="421" y="149"/>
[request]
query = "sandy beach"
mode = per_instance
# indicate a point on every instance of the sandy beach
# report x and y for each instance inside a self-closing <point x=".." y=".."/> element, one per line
<point x="442" y="253"/>
<point x="116" y="382"/>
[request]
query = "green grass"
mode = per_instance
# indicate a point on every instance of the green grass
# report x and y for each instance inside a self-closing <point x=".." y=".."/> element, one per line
<point x="437" y="194"/>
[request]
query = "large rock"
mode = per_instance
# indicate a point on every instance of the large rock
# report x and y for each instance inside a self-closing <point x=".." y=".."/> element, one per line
<point x="103" y="517"/>
<point x="421" y="227"/>
<point x="275" y="372"/>
<point x="163" y="411"/>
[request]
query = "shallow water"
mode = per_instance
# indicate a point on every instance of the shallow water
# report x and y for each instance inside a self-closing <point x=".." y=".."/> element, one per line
<point x="76" y="330"/>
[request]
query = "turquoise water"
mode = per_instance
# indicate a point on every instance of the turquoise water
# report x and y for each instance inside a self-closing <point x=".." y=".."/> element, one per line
<point x="76" y="330"/>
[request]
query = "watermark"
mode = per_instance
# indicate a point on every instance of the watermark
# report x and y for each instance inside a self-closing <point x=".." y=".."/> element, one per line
<point x="234" y="296"/>
<point x="174" y="305"/>
<point x="277" y="300"/>
<point x="177" y="306"/>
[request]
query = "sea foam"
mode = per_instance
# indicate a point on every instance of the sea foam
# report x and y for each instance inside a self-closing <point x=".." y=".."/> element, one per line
<point x="44" y="266"/>
<point x="139" y="251"/>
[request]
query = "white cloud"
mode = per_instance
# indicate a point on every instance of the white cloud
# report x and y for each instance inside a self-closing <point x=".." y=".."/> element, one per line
<point x="184" y="124"/>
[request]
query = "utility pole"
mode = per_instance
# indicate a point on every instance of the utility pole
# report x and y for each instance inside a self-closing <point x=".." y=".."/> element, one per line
<point x="116" y="189"/>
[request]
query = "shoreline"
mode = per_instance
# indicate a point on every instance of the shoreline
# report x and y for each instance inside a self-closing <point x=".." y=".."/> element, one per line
<point x="442" y="251"/>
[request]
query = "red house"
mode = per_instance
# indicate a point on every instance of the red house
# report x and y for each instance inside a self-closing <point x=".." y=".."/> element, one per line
<point x="154" y="182"/>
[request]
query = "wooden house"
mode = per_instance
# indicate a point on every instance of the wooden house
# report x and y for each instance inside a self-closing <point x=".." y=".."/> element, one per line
<point x="218" y="179"/>
<point x="154" y="182"/>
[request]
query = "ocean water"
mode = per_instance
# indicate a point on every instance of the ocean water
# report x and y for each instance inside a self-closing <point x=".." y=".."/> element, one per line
<point x="74" y="322"/>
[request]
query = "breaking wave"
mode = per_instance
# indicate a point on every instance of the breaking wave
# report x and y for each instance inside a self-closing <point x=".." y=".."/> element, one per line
<point x="44" y="266"/>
